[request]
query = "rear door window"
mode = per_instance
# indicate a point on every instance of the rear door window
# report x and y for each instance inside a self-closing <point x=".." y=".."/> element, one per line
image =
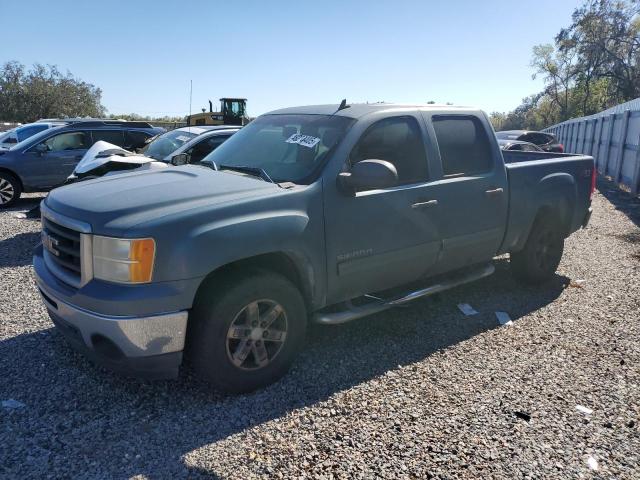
<point x="397" y="140"/>
<point x="112" y="136"/>
<point x="135" y="139"/>
<point x="464" y="145"/>
<point x="205" y="147"/>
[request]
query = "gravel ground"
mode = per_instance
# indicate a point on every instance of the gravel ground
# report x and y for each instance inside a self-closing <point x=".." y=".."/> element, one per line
<point x="418" y="392"/>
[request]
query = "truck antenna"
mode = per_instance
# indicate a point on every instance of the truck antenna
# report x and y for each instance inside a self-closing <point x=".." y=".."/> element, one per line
<point x="343" y="105"/>
<point x="190" y="98"/>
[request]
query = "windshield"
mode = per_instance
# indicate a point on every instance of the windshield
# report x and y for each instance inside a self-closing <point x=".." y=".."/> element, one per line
<point x="7" y="134"/>
<point x="167" y="143"/>
<point x="289" y="148"/>
<point x="507" y="135"/>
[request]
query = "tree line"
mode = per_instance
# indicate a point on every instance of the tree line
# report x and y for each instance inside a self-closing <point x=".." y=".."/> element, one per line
<point x="43" y="91"/>
<point x="593" y="64"/>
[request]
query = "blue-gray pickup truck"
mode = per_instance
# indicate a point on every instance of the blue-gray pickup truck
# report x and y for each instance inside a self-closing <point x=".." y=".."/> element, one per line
<point x="321" y="213"/>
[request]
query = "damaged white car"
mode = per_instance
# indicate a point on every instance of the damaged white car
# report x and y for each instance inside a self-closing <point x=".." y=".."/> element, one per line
<point x="187" y="145"/>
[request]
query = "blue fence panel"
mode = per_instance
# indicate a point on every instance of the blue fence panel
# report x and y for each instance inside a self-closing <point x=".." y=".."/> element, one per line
<point x="612" y="137"/>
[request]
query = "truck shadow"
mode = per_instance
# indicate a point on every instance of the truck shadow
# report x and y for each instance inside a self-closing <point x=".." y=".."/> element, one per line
<point x="621" y="200"/>
<point x="86" y="418"/>
<point x="17" y="251"/>
<point x="25" y="203"/>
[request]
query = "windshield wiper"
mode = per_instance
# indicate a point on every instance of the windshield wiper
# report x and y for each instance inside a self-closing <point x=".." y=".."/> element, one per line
<point x="255" y="171"/>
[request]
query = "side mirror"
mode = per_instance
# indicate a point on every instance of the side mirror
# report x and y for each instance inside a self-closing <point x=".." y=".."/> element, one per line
<point x="41" y="148"/>
<point x="180" y="159"/>
<point x="368" y="175"/>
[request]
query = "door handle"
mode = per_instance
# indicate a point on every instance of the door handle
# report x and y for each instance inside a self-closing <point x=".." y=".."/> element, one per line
<point x="427" y="204"/>
<point x="495" y="192"/>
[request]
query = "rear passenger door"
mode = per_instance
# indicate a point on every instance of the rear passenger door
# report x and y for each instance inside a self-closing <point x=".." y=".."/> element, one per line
<point x="471" y="191"/>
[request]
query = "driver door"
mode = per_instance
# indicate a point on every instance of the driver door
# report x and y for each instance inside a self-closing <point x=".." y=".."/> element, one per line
<point x="382" y="238"/>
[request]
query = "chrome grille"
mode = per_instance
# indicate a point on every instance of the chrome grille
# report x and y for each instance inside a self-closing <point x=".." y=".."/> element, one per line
<point x="63" y="246"/>
<point x="66" y="247"/>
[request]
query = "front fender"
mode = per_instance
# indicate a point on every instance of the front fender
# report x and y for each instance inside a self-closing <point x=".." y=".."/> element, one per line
<point x="218" y="243"/>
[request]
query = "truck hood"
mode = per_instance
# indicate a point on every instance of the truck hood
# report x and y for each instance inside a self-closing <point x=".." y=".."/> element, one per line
<point x="113" y="205"/>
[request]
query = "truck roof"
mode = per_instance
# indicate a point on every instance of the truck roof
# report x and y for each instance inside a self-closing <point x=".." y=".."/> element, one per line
<point x="357" y="110"/>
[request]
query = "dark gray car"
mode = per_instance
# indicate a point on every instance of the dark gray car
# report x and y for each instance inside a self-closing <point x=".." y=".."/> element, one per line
<point x="45" y="160"/>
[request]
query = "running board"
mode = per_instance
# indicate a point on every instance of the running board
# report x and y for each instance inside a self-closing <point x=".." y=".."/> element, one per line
<point x="354" y="312"/>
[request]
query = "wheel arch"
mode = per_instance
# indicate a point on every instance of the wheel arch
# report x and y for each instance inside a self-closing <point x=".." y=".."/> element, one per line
<point x="14" y="175"/>
<point x="557" y="195"/>
<point x="291" y="266"/>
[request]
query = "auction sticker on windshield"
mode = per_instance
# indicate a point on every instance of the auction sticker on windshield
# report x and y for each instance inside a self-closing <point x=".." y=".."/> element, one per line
<point x="304" y="140"/>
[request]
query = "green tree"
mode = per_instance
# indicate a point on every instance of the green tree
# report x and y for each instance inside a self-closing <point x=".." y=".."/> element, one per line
<point x="44" y="92"/>
<point x="605" y="34"/>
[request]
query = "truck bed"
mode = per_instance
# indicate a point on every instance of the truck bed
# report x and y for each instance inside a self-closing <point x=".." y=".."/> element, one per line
<point x="536" y="179"/>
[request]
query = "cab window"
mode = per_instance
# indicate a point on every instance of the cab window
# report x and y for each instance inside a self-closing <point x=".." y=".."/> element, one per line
<point x="464" y="145"/>
<point x="397" y="140"/>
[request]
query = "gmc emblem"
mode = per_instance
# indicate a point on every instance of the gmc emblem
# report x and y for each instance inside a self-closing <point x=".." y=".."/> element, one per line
<point x="50" y="244"/>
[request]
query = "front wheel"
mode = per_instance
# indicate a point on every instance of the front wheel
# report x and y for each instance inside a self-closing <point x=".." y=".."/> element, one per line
<point x="539" y="259"/>
<point x="246" y="334"/>
<point x="9" y="190"/>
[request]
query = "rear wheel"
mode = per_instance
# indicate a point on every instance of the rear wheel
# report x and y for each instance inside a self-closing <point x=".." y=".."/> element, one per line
<point x="245" y="335"/>
<point x="539" y="259"/>
<point x="9" y="190"/>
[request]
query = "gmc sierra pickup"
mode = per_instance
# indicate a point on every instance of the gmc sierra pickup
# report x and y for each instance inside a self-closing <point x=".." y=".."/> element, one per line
<point x="326" y="213"/>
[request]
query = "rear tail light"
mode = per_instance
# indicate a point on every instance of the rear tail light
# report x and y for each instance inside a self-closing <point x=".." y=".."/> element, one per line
<point x="594" y="175"/>
<point x="561" y="148"/>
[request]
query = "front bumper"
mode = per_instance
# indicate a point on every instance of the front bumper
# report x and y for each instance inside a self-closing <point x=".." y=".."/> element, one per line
<point x="149" y="347"/>
<point x="144" y="344"/>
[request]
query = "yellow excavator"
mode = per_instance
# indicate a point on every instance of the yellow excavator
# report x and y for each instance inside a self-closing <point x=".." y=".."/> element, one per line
<point x="233" y="111"/>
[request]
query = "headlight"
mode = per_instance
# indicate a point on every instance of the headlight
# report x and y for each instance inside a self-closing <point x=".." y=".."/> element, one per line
<point x="123" y="260"/>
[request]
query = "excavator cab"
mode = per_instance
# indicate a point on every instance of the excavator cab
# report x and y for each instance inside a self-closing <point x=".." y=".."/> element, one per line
<point x="234" y="111"/>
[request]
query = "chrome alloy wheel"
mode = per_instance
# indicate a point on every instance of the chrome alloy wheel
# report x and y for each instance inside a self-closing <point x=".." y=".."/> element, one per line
<point x="6" y="191"/>
<point x="257" y="334"/>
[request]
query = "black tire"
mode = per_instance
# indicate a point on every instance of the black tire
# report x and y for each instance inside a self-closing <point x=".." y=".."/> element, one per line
<point x="538" y="261"/>
<point x="10" y="190"/>
<point x="212" y="344"/>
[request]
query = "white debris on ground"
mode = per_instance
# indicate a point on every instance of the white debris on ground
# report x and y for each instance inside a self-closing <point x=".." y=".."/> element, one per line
<point x="504" y="318"/>
<point x="467" y="309"/>
<point x="584" y="410"/>
<point x="13" y="404"/>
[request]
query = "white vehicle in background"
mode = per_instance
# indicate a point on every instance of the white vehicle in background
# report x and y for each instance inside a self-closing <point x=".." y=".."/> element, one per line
<point x="9" y="138"/>
<point x="189" y="145"/>
<point x="196" y="142"/>
<point x="105" y="158"/>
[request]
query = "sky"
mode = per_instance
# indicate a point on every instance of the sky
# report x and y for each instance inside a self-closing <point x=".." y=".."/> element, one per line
<point x="143" y="54"/>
